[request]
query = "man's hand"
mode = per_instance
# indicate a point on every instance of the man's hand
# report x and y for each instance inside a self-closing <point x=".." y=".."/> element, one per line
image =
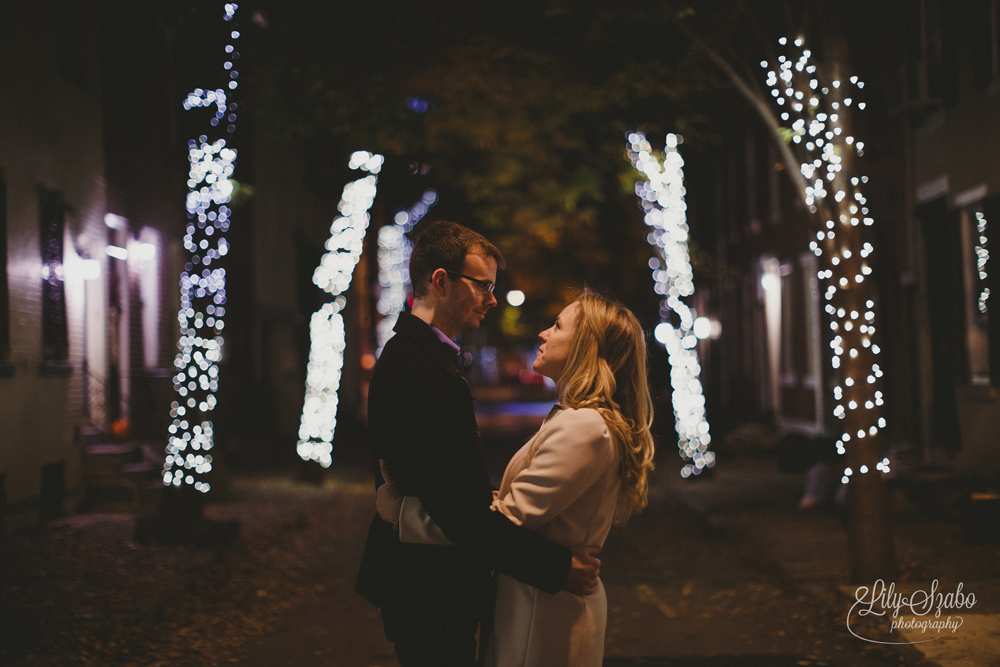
<point x="584" y="571"/>
<point x="388" y="499"/>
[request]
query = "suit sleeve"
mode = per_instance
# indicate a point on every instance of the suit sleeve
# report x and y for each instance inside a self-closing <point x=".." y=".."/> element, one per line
<point x="571" y="455"/>
<point x="416" y="526"/>
<point x="427" y="447"/>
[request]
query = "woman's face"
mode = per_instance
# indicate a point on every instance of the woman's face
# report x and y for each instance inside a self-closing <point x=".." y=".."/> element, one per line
<point x="556" y="343"/>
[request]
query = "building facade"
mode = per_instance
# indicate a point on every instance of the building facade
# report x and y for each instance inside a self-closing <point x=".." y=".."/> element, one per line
<point x="88" y="245"/>
<point x="932" y="135"/>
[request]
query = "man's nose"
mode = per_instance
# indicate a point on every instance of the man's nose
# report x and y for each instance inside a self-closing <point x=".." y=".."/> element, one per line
<point x="491" y="299"/>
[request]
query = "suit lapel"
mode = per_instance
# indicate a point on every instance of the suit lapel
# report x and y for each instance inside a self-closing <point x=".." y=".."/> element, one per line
<point x="414" y="327"/>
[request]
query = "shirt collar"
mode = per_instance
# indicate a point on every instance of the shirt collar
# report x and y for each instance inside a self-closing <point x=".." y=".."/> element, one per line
<point x="442" y="336"/>
<point x="444" y="339"/>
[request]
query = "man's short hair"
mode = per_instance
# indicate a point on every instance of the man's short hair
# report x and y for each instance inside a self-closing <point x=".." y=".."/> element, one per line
<point x="444" y="245"/>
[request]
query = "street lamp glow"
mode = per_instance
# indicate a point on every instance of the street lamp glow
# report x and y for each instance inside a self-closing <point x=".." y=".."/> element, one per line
<point x="145" y="251"/>
<point x="515" y="297"/>
<point x="90" y="269"/>
<point x="770" y="282"/>
<point x="113" y="221"/>
<point x="117" y="252"/>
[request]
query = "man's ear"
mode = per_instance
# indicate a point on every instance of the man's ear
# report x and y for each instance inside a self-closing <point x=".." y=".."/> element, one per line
<point x="438" y="279"/>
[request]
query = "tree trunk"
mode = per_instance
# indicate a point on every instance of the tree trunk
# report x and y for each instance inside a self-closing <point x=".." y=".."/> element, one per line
<point x="870" y="541"/>
<point x="869" y="537"/>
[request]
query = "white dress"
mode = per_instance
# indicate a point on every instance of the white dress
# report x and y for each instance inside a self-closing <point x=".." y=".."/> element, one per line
<point x="567" y="494"/>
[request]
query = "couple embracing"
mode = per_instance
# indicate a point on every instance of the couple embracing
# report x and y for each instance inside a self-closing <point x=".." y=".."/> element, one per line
<point x="448" y="556"/>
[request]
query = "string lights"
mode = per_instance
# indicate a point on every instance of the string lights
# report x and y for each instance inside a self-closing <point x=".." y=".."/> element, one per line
<point x="662" y="199"/>
<point x="203" y="288"/>
<point x="819" y="114"/>
<point x="393" y="265"/>
<point x="326" y="327"/>
<point x="982" y="257"/>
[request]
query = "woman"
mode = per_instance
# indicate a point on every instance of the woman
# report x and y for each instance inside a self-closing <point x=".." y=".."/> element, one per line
<point x="586" y="468"/>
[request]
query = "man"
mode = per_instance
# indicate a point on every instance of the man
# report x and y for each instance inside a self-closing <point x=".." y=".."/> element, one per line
<point x="422" y="423"/>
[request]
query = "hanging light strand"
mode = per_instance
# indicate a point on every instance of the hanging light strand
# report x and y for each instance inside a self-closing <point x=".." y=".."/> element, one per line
<point x="661" y="197"/>
<point x="326" y="327"/>
<point x="982" y="259"/>
<point x="817" y="115"/>
<point x="202" y="285"/>
<point x="393" y="265"/>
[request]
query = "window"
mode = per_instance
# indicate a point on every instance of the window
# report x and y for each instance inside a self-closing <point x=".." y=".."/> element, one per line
<point x="982" y="36"/>
<point x="3" y="505"/>
<point x="4" y="287"/>
<point x="148" y="269"/>
<point x="55" y="343"/>
<point x="995" y="38"/>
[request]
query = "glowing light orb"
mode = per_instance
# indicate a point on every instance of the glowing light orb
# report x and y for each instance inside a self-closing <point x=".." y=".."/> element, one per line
<point x="515" y="297"/>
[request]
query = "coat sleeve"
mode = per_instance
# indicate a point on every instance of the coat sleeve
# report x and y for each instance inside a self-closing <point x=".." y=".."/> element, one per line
<point x="424" y="438"/>
<point x="416" y="526"/>
<point x="571" y="455"/>
<point x="428" y="450"/>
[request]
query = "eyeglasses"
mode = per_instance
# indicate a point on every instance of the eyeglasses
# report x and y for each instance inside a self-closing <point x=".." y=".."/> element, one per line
<point x="485" y="285"/>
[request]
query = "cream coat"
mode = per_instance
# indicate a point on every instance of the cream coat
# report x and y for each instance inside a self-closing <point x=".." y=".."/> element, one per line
<point x="567" y="494"/>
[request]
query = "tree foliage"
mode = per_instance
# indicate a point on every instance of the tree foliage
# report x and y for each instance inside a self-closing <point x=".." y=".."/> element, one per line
<point x="518" y="110"/>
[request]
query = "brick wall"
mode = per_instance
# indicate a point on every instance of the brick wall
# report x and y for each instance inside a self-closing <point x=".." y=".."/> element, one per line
<point x="50" y="137"/>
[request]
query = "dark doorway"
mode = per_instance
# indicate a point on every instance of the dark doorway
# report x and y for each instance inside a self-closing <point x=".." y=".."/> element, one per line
<point x="51" y="500"/>
<point x="943" y="265"/>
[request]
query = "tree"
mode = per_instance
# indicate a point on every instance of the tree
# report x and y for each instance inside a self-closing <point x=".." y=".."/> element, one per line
<point x="519" y="112"/>
<point x="818" y="148"/>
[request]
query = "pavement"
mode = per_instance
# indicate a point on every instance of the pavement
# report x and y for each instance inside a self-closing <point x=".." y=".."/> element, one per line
<point x="722" y="570"/>
<point x="752" y="498"/>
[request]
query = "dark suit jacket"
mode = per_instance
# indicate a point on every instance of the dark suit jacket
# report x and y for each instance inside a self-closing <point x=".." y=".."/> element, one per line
<point x="422" y="423"/>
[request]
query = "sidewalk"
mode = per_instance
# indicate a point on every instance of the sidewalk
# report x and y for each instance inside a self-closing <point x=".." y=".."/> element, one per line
<point x="752" y="499"/>
<point x="716" y="572"/>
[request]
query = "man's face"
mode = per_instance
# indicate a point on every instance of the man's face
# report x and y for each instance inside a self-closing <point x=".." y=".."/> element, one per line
<point x="465" y="303"/>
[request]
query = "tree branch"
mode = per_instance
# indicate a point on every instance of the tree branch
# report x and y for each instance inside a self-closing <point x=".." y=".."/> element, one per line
<point x="758" y="102"/>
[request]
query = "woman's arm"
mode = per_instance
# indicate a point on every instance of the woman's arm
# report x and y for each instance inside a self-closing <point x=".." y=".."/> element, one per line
<point x="571" y="454"/>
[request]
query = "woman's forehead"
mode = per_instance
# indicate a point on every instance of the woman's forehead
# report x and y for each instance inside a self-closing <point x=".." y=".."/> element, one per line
<point x="569" y="312"/>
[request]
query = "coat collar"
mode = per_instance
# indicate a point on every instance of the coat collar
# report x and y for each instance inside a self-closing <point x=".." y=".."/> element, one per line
<point x="410" y="325"/>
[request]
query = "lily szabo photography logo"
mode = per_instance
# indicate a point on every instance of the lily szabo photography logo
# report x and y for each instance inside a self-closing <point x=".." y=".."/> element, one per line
<point x="911" y="618"/>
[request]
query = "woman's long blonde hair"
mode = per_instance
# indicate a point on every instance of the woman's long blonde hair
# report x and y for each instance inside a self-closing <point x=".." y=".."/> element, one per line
<point x="607" y="370"/>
